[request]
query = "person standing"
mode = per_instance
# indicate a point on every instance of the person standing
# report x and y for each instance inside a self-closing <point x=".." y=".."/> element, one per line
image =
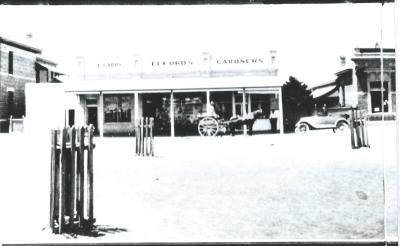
<point x="273" y="119"/>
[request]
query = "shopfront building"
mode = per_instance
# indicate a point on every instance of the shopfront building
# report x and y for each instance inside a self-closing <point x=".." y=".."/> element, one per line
<point x="376" y="90"/>
<point x="113" y="94"/>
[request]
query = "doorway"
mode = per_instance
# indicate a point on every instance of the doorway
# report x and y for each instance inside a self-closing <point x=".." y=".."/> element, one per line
<point x="71" y="117"/>
<point x="157" y="105"/>
<point x="376" y="97"/>
<point x="92" y="118"/>
<point x="10" y="103"/>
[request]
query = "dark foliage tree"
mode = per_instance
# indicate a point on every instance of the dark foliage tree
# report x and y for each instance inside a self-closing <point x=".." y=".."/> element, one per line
<point x="297" y="102"/>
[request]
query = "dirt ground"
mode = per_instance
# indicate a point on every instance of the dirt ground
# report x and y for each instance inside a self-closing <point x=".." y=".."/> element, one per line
<point x="309" y="186"/>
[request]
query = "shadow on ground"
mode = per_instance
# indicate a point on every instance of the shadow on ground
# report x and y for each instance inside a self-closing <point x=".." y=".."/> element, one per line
<point x="95" y="231"/>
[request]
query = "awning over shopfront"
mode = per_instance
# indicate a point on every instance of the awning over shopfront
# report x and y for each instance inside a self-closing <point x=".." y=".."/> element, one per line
<point x="49" y="68"/>
<point x="326" y="91"/>
<point x="174" y="84"/>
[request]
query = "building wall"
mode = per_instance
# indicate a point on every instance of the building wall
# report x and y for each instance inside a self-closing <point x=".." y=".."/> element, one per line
<point x="23" y="72"/>
<point x="41" y="116"/>
<point x="367" y="71"/>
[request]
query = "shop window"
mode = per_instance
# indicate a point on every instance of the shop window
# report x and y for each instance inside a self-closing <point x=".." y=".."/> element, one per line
<point x="10" y="62"/>
<point x="117" y="108"/>
<point x="261" y="101"/>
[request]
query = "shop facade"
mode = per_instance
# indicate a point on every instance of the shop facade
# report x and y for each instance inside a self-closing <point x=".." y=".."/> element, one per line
<point x="114" y="94"/>
<point x="376" y="90"/>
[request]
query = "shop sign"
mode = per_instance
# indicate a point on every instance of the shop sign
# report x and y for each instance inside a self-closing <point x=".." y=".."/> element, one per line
<point x="173" y="64"/>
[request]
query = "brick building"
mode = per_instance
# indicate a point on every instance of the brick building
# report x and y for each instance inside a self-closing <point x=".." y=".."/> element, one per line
<point x="359" y="84"/>
<point x="369" y="86"/>
<point x="20" y="64"/>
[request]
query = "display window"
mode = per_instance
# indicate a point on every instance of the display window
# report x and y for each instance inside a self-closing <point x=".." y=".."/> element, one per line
<point x="117" y="108"/>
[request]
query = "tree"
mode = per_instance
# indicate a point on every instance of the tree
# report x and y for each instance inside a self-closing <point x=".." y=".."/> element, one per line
<point x="297" y="102"/>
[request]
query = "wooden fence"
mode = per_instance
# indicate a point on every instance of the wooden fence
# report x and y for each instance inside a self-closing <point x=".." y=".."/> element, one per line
<point x="71" y="191"/>
<point x="358" y="130"/>
<point x="144" y="137"/>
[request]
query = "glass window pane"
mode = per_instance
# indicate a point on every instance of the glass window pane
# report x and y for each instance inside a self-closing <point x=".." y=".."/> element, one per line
<point x="110" y="108"/>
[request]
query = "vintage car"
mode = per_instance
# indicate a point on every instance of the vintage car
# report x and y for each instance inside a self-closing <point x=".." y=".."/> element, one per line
<point x="324" y="120"/>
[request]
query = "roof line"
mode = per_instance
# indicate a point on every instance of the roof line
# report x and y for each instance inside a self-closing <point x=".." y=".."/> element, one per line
<point x="20" y="45"/>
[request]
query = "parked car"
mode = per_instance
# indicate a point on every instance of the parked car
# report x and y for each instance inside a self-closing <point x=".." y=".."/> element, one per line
<point x="324" y="120"/>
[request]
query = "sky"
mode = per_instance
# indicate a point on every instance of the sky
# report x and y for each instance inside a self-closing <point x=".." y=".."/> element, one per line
<point x="309" y="39"/>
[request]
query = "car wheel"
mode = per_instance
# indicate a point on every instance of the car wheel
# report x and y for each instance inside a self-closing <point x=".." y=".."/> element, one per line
<point x="302" y="128"/>
<point x="342" y="126"/>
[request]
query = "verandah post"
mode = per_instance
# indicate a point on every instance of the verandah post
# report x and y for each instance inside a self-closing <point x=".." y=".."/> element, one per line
<point x="146" y="137"/>
<point x="151" y="136"/>
<point x="141" y="137"/>
<point x="137" y="137"/>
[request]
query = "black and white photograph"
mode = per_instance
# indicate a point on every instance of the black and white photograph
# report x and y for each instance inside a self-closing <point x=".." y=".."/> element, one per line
<point x="228" y="122"/>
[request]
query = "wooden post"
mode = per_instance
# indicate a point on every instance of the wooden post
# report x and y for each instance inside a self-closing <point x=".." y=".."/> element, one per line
<point x="358" y="129"/>
<point x="56" y="176"/>
<point x="281" y="119"/>
<point x="62" y="180"/>
<point x="244" y="110"/>
<point x="151" y="136"/>
<point x="352" y="125"/>
<point x="233" y="104"/>
<point x="52" y="177"/>
<point x="362" y="134"/>
<point x="172" y="114"/>
<point x="366" y="133"/>
<point x="81" y="177"/>
<point x="73" y="176"/>
<point x="90" y="173"/>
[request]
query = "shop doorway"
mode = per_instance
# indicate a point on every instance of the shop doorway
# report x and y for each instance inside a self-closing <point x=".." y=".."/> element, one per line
<point x="188" y="107"/>
<point x="10" y="103"/>
<point x="92" y="118"/>
<point x="376" y="97"/>
<point x="157" y="105"/>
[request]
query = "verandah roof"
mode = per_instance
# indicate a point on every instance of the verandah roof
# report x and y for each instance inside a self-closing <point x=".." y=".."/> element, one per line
<point x="176" y="84"/>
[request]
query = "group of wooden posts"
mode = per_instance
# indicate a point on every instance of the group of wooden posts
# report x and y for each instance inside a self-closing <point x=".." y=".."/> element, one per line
<point x="358" y="130"/>
<point x="144" y="136"/>
<point x="71" y="191"/>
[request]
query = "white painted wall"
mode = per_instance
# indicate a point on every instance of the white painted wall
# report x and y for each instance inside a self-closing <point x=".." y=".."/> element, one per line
<point x="45" y="107"/>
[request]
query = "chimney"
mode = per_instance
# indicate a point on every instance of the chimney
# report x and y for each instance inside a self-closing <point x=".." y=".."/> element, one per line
<point x="272" y="54"/>
<point x="342" y="61"/>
